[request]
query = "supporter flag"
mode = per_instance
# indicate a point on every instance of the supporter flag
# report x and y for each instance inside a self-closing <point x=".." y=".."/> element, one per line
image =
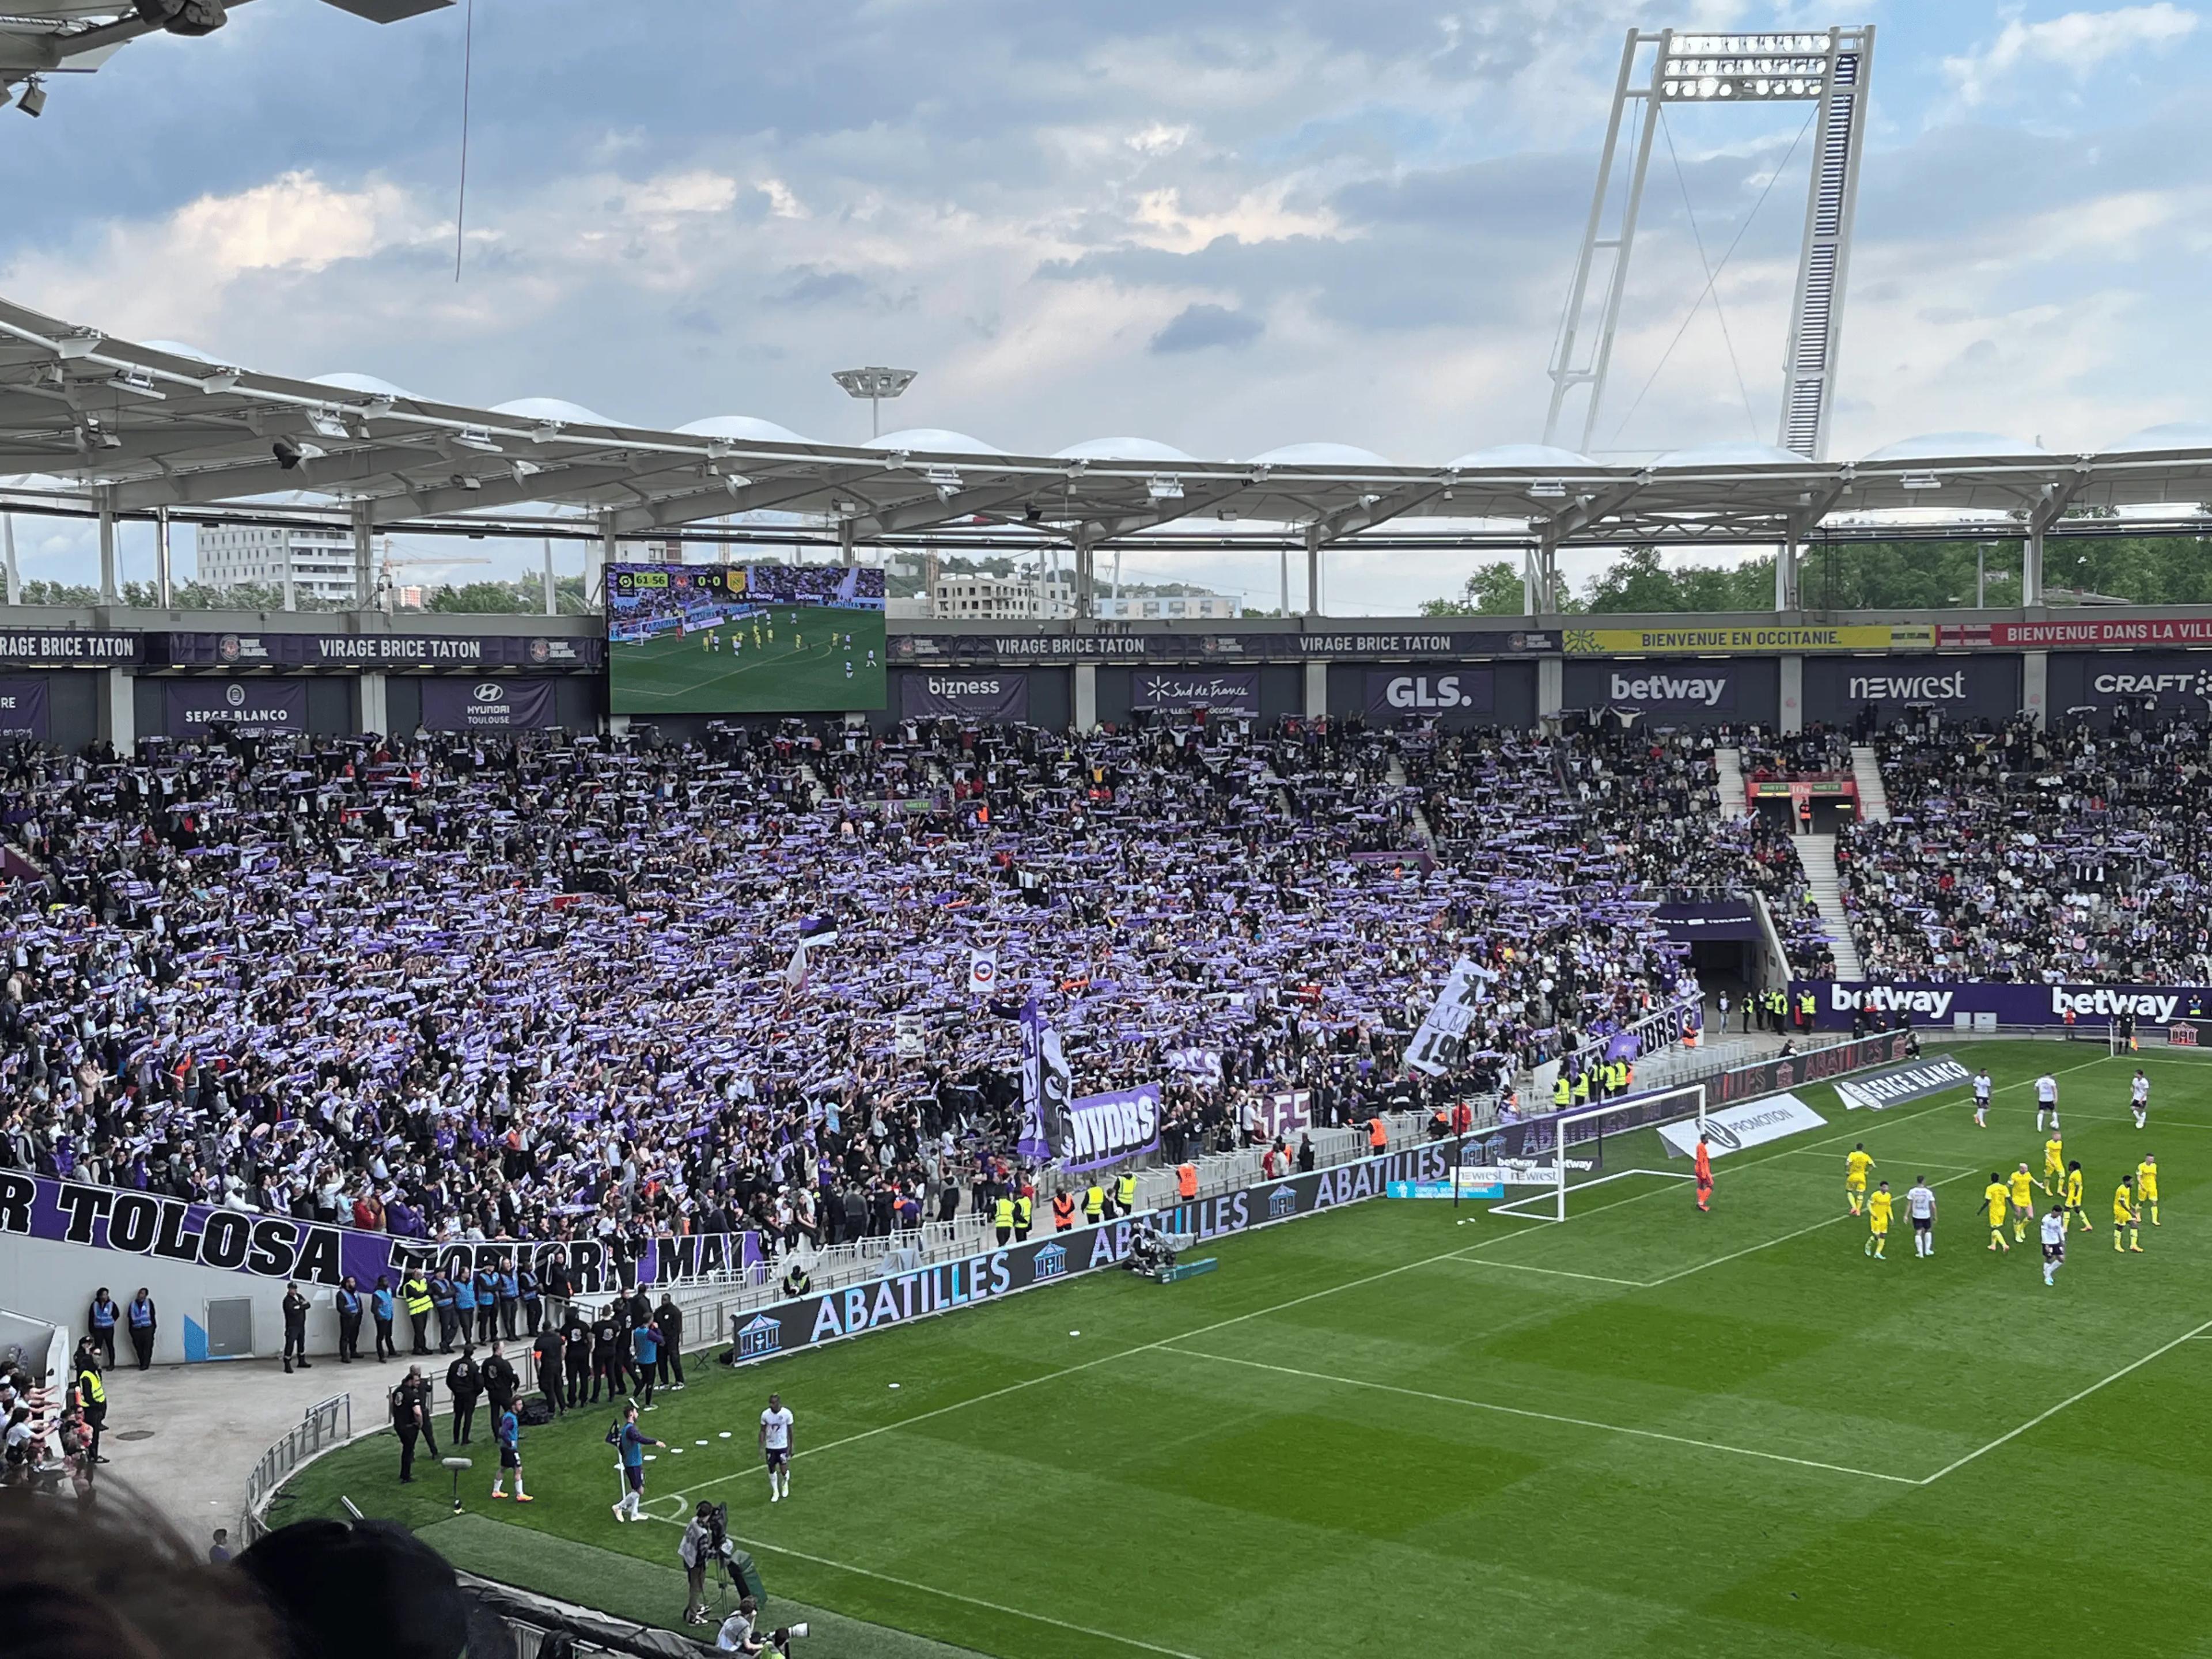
<point x="983" y="973"/>
<point x="1047" y="1085"/>
<point x="817" y="930"/>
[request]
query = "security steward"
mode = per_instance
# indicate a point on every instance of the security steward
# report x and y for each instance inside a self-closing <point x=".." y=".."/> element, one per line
<point x="545" y="1351"/>
<point x="1125" y="1193"/>
<point x="1063" y="1210"/>
<point x="92" y="1404"/>
<point x="576" y="1354"/>
<point x="410" y="1416"/>
<point x="463" y="1388"/>
<point x="1094" y="1205"/>
<point x="1025" y="1214"/>
<point x="606" y="1358"/>
<point x="1002" y="1219"/>
<point x="414" y="1291"/>
<point x="1563" y="1094"/>
<point x="501" y="1381"/>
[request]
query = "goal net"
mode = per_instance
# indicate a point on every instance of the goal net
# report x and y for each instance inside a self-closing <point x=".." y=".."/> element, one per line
<point x="1591" y="1145"/>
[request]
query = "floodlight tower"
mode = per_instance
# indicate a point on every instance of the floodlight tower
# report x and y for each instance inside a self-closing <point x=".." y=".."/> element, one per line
<point x="875" y="385"/>
<point x="1832" y="71"/>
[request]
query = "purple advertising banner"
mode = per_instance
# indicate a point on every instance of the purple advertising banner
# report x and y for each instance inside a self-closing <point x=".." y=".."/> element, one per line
<point x="1103" y="1129"/>
<point x="1235" y="692"/>
<point x="1836" y="1000"/>
<point x="23" y="710"/>
<point x="972" y="695"/>
<point x="1696" y="919"/>
<point x="383" y="650"/>
<point x="488" y="705"/>
<point x="316" y="1253"/>
<point x="1444" y="690"/>
<point x="1281" y="1116"/>
<point x="243" y="705"/>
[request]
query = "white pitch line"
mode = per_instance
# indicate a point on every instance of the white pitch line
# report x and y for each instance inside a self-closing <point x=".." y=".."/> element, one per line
<point x="1556" y="1273"/>
<point x="968" y="1601"/>
<point x="1753" y="1249"/>
<point x="2045" y="1416"/>
<point x="1541" y="1417"/>
<point x="1107" y="1358"/>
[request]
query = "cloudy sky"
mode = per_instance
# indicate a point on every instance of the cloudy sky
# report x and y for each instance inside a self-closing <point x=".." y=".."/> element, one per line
<point x="1225" y="225"/>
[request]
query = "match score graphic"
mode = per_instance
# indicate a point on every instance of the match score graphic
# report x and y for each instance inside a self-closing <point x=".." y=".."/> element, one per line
<point x="739" y="639"/>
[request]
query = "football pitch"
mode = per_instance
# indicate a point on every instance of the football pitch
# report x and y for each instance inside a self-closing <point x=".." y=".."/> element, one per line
<point x="1398" y="1429"/>
<point x="801" y="668"/>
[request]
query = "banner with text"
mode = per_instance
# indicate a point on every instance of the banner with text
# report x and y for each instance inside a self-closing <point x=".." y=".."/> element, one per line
<point x="1837" y="1000"/>
<point x="24" y="707"/>
<point x="1735" y="1128"/>
<point x="1448" y="692"/>
<point x="507" y="705"/>
<point x="382" y="650"/>
<point x="121" y="1221"/>
<point x="1916" y="1081"/>
<point x="1003" y="695"/>
<point x="943" y="1287"/>
<point x="1692" y="919"/>
<point x="243" y="705"/>
<point x="1105" y="1129"/>
<point x="1779" y="637"/>
<point x="1234" y="693"/>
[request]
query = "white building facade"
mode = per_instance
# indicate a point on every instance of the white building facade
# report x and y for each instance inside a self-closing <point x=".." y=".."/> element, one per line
<point x="319" y="561"/>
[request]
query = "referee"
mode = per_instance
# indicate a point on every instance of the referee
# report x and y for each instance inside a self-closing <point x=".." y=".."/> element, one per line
<point x="1920" y="1205"/>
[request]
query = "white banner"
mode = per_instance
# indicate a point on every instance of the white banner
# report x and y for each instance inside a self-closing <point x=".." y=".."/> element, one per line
<point x="1435" y="1046"/>
<point x="1733" y="1127"/>
<point x="983" y="971"/>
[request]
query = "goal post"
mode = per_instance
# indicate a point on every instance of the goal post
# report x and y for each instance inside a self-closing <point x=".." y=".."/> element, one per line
<point x="1575" y="1154"/>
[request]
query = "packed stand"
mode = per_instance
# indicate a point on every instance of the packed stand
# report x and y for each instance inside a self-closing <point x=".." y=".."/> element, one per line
<point x="2013" y="854"/>
<point x="462" y="989"/>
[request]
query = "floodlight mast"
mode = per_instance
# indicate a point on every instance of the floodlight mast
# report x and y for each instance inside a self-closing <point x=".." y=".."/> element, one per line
<point x="1831" y="70"/>
<point x="875" y="385"/>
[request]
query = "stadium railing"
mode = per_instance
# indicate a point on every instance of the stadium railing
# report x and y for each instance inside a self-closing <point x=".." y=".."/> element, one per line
<point x="328" y="1422"/>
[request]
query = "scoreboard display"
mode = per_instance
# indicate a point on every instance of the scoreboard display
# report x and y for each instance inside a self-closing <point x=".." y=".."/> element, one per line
<point x="758" y="639"/>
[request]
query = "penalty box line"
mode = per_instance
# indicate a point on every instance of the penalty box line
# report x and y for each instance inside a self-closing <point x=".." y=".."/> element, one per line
<point x="688" y="1493"/>
<point x="2043" y="1417"/>
<point x="1540" y="1417"/>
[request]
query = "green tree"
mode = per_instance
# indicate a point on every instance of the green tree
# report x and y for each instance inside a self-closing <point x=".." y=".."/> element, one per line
<point x="480" y="599"/>
<point x="1491" y="590"/>
<point x="1639" y="581"/>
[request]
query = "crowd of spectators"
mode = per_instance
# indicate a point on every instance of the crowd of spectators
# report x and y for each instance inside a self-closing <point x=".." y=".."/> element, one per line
<point x="462" y="988"/>
<point x="2015" y="854"/>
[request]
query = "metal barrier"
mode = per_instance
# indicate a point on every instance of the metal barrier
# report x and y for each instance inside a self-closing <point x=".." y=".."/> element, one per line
<point x="328" y="1422"/>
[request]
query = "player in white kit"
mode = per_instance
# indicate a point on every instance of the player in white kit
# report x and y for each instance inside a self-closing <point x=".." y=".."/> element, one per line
<point x="1982" y="1099"/>
<point x="2046" y="1100"/>
<point x="2054" y="1242"/>
<point x="776" y="1447"/>
<point x="1920" y="1205"/>
<point x="2139" y="1098"/>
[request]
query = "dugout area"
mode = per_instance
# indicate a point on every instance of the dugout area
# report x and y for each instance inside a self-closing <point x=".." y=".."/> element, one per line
<point x="1643" y="1431"/>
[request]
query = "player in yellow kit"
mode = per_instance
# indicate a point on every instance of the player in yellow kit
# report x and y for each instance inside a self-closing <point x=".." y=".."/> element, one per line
<point x="1995" y="1197"/>
<point x="2023" y="1207"/>
<point x="2146" y="1185"/>
<point x="1856" y="1162"/>
<point x="2054" y="1164"/>
<point x="2074" y="1210"/>
<point x="1878" y="1207"/>
<point x="2126" y="1218"/>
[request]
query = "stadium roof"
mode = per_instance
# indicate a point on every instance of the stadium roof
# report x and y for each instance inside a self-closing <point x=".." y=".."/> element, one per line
<point x="76" y="37"/>
<point x="138" y="426"/>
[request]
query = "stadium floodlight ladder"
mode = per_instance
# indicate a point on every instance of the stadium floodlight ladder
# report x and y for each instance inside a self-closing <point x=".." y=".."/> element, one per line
<point x="1581" y="1141"/>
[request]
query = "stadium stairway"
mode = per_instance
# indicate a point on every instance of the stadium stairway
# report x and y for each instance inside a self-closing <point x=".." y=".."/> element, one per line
<point x="1395" y="777"/>
<point x="1818" y="854"/>
<point x="1734" y="803"/>
<point x="1866" y="772"/>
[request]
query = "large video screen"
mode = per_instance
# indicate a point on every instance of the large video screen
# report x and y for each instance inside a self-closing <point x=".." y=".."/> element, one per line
<point x="744" y="639"/>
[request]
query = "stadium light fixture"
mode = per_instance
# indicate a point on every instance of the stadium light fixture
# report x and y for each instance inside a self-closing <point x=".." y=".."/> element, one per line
<point x="1920" y="481"/>
<point x="876" y="384"/>
<point x="33" y="102"/>
<point x="138" y="382"/>
<point x="1547" y="490"/>
<point x="327" y="423"/>
<point x="944" y="478"/>
<point x="1164" y="487"/>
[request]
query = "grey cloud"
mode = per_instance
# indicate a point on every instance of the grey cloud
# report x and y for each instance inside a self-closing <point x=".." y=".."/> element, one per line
<point x="810" y="285"/>
<point x="1198" y="326"/>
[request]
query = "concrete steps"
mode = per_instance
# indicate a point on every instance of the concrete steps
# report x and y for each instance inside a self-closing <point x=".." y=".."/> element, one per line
<point x="1866" y="772"/>
<point x="1818" y="854"/>
<point x="1734" y="802"/>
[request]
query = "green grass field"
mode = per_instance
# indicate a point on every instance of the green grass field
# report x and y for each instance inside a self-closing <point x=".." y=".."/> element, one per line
<point x="802" y="669"/>
<point x="1398" y="1430"/>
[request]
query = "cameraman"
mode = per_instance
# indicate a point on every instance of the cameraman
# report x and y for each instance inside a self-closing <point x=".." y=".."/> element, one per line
<point x="702" y="1543"/>
<point x="736" y="1635"/>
